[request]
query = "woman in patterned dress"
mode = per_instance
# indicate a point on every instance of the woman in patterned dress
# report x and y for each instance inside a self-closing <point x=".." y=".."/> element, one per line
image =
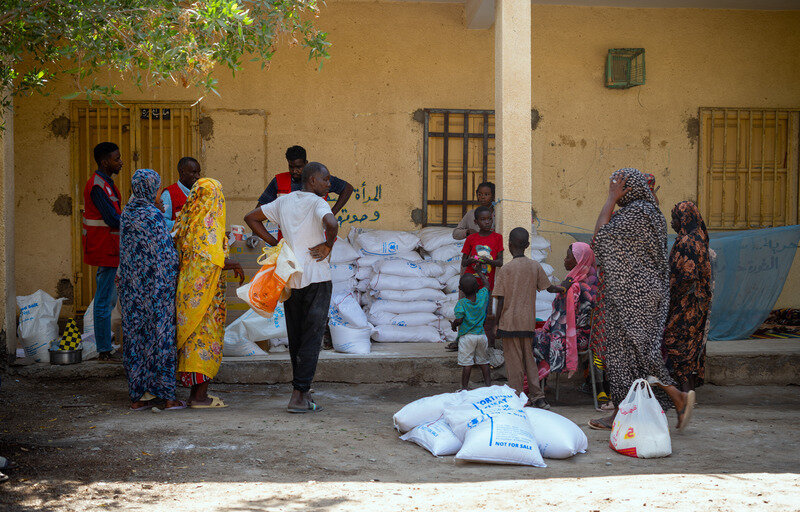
<point x="566" y="332"/>
<point x="203" y="250"/>
<point x="631" y="251"/>
<point x="690" y="290"/>
<point x="148" y="272"/>
<point x="597" y="337"/>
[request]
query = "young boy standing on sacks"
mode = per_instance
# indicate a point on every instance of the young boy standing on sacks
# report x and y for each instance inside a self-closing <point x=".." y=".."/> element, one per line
<point x="473" y="345"/>
<point x="310" y="229"/>
<point x="482" y="256"/>
<point x="515" y="289"/>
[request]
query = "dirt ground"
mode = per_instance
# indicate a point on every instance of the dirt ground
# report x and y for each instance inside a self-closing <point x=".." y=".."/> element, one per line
<point x="80" y="448"/>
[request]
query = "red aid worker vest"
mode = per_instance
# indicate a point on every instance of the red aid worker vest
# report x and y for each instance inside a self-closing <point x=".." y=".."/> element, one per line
<point x="100" y="241"/>
<point x="284" y="183"/>
<point x="177" y="197"/>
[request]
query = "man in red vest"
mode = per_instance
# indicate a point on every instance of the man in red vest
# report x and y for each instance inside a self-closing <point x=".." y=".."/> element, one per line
<point x="102" y="208"/>
<point x="287" y="182"/>
<point x="174" y="196"/>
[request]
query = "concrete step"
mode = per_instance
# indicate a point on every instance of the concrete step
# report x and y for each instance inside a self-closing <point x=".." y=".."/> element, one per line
<point x="728" y="363"/>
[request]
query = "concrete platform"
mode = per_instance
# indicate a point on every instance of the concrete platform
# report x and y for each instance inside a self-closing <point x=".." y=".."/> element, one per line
<point x="728" y="363"/>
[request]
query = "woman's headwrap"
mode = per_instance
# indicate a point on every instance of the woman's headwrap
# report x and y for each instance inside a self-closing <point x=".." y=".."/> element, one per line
<point x="200" y="227"/>
<point x="690" y="220"/>
<point x="584" y="256"/>
<point x="639" y="187"/>
<point x="144" y="185"/>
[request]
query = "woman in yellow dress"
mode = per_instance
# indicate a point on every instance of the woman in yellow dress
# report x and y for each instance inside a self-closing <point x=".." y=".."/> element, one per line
<point x="203" y="250"/>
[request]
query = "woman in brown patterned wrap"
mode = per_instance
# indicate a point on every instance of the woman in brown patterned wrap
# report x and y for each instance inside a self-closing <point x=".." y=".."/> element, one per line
<point x="690" y="290"/>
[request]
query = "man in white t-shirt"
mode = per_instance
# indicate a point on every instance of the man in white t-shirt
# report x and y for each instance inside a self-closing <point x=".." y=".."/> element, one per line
<point x="310" y="229"/>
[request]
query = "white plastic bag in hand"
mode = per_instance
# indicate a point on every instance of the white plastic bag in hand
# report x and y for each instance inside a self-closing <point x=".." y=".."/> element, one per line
<point x="640" y="428"/>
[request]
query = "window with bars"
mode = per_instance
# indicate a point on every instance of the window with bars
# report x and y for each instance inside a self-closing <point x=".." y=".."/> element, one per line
<point x="458" y="155"/>
<point x="748" y="161"/>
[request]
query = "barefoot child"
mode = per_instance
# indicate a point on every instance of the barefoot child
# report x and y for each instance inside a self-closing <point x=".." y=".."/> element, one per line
<point x="515" y="289"/>
<point x="473" y="345"/>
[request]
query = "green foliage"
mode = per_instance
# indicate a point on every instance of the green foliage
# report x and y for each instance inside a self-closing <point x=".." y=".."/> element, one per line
<point x="149" y="42"/>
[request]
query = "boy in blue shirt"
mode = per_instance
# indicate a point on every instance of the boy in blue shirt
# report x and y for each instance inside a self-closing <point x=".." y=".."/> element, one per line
<point x="473" y="345"/>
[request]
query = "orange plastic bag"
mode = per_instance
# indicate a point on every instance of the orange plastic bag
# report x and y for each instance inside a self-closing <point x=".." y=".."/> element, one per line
<point x="268" y="286"/>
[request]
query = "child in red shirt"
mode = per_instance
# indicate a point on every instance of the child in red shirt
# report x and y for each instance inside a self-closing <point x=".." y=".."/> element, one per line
<point x="483" y="251"/>
<point x="483" y="254"/>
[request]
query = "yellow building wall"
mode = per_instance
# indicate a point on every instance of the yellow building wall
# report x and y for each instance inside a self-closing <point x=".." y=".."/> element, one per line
<point x="389" y="59"/>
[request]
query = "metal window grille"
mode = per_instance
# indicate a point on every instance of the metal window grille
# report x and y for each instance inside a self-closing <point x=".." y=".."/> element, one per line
<point x="458" y="154"/>
<point x="748" y="162"/>
<point x="625" y="68"/>
<point x="150" y="135"/>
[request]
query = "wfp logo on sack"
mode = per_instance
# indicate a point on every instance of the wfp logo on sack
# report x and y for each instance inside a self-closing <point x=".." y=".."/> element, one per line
<point x="474" y="422"/>
<point x="390" y="247"/>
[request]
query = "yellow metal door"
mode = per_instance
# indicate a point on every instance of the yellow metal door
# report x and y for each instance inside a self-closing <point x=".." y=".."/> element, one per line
<point x="149" y="135"/>
<point x="748" y="162"/>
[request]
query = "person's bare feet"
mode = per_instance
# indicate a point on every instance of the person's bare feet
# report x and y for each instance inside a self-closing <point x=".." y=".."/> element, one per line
<point x="207" y="401"/>
<point x="175" y="404"/>
<point x="679" y="401"/>
<point x="140" y="404"/>
<point x="299" y="399"/>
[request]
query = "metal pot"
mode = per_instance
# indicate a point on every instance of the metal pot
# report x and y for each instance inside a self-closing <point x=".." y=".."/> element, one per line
<point x="66" y="356"/>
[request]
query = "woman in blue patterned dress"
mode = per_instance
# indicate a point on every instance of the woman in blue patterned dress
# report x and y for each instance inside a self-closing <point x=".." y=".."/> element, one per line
<point x="147" y="280"/>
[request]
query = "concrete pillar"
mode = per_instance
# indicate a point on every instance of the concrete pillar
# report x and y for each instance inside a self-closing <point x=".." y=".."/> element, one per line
<point x="512" y="97"/>
<point x="8" y="305"/>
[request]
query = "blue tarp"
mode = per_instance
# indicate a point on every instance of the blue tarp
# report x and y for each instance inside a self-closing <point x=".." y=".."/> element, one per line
<point x="749" y="272"/>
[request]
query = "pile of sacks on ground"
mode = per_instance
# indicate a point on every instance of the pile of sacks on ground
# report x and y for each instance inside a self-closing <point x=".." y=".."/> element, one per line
<point x="489" y="424"/>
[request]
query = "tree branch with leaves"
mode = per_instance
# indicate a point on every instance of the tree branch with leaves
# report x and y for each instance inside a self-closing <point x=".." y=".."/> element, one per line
<point x="149" y="42"/>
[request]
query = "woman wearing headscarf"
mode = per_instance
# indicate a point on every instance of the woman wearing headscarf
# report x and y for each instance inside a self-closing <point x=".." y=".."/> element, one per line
<point x="203" y="250"/>
<point x="690" y="291"/>
<point x="631" y="251"/>
<point x="597" y="338"/>
<point x="556" y="345"/>
<point x="148" y="273"/>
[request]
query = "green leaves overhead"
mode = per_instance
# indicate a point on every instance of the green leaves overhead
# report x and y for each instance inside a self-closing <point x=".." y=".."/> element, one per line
<point x="149" y="42"/>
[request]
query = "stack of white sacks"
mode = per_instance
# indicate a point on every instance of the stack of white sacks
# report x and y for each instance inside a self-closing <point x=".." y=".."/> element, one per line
<point x="540" y="248"/>
<point x="390" y="286"/>
<point x="402" y="291"/>
<point x="350" y="330"/>
<point x="489" y="424"/>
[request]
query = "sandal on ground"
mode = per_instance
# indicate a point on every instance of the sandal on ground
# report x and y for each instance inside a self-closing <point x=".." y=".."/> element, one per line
<point x="599" y="424"/>
<point x="182" y="405"/>
<point x="216" y="403"/>
<point x="6" y="464"/>
<point x="452" y="346"/>
<point x="145" y="407"/>
<point x="311" y="406"/>
<point x="3" y="478"/>
<point x="686" y="413"/>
